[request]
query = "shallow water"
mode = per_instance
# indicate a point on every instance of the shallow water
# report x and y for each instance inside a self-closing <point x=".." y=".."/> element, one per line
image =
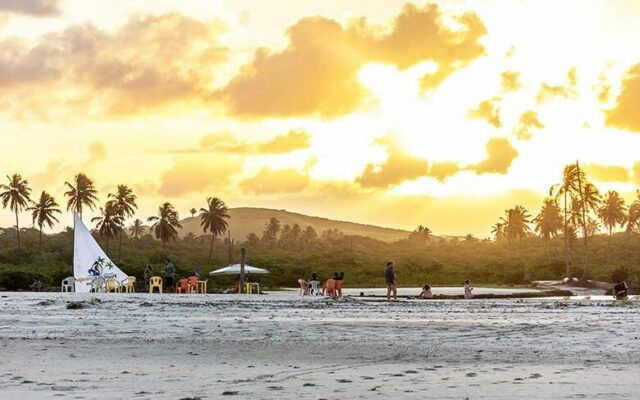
<point x="216" y="343"/>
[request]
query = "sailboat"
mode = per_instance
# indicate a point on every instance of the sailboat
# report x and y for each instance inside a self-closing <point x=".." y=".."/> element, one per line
<point x="90" y="262"/>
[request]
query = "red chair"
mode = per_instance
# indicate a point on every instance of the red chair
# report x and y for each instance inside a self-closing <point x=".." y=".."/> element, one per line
<point x="192" y="284"/>
<point x="182" y="286"/>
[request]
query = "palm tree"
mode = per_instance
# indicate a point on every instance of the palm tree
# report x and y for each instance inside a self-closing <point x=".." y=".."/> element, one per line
<point x="590" y="200"/>
<point x="212" y="219"/>
<point x="516" y="223"/>
<point x="165" y="223"/>
<point x="137" y="228"/>
<point x="566" y="190"/>
<point x="497" y="231"/>
<point x="125" y="201"/>
<point x="633" y="216"/>
<point x="43" y="213"/>
<point x="81" y="193"/>
<point x="193" y="212"/>
<point x="109" y="222"/>
<point x="548" y="222"/>
<point x="16" y="195"/>
<point x="612" y="213"/>
<point x="421" y="234"/>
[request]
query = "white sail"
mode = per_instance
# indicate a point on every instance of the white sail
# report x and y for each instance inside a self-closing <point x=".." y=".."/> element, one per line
<point x="89" y="261"/>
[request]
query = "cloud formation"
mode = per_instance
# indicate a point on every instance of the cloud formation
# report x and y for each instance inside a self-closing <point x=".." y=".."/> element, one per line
<point x="626" y="114"/>
<point x="500" y="155"/>
<point x="149" y="63"/>
<point x="319" y="67"/>
<point x="510" y="81"/>
<point x="489" y="111"/>
<point x="197" y="173"/>
<point x="397" y="168"/>
<point x="276" y="181"/>
<point x="567" y="90"/>
<point x="36" y="8"/>
<point x="228" y="143"/>
<point x="606" y="173"/>
<point x="528" y="121"/>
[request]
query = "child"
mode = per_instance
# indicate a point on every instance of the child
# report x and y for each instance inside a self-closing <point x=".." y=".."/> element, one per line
<point x="426" y="292"/>
<point x="467" y="290"/>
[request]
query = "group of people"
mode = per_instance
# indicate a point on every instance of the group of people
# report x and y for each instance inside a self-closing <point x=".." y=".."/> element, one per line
<point x="332" y="287"/>
<point x="426" y="293"/>
<point x="168" y="275"/>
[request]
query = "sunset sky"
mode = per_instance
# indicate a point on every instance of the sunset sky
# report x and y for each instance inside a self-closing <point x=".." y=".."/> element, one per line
<point x="392" y="113"/>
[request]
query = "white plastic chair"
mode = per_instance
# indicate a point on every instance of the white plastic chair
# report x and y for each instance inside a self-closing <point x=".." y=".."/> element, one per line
<point x="315" y="287"/>
<point x="68" y="284"/>
<point x="97" y="284"/>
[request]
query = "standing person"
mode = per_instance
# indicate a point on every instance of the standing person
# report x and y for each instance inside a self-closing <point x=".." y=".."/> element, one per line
<point x="390" y="278"/>
<point x="339" y="278"/>
<point x="467" y="290"/>
<point x="169" y="275"/>
<point x="148" y="273"/>
<point x="198" y="270"/>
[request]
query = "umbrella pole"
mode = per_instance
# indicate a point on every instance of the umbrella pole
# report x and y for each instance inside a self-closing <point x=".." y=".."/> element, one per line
<point x="242" y="257"/>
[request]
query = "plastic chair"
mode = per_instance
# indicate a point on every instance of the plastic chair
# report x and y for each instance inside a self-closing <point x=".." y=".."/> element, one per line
<point x="111" y="284"/>
<point x="155" y="282"/>
<point x="202" y="286"/>
<point x="192" y="284"/>
<point x="182" y="286"/>
<point x="68" y="284"/>
<point x="314" y="287"/>
<point x="130" y="285"/>
<point x="97" y="284"/>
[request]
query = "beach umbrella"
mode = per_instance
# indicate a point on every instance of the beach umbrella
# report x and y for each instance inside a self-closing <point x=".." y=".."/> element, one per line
<point x="234" y="269"/>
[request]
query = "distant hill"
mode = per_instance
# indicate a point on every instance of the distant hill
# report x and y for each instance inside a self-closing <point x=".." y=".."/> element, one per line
<point x="246" y="220"/>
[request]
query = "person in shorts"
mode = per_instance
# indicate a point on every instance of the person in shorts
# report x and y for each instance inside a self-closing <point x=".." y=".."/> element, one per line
<point x="390" y="278"/>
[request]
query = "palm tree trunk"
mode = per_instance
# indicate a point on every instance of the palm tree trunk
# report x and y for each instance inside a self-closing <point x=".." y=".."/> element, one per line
<point x="585" y="271"/>
<point x="609" y="248"/>
<point x="213" y="237"/>
<point x="566" y="238"/>
<point x="40" y="242"/>
<point x="18" y="238"/>
<point x="107" y="246"/>
<point x="120" y="244"/>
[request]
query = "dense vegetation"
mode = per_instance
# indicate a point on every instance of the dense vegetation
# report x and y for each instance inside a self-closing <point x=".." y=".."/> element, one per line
<point x="563" y="239"/>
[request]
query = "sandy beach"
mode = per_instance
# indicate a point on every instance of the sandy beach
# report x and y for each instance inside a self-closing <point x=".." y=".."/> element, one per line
<point x="281" y="346"/>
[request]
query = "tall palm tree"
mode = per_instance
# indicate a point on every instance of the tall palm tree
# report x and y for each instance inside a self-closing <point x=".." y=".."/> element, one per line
<point x="16" y="195"/>
<point x="125" y="202"/>
<point x="516" y="223"/>
<point x="566" y="190"/>
<point x="193" y="212"/>
<point x="137" y="228"/>
<point x="612" y="212"/>
<point x="43" y="213"/>
<point x="590" y="200"/>
<point x="212" y="219"/>
<point x="81" y="193"/>
<point x="109" y="222"/>
<point x="548" y="222"/>
<point x="497" y="230"/>
<point x="165" y="224"/>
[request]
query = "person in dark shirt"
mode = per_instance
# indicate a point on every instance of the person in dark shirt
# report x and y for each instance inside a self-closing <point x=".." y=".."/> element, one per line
<point x="620" y="290"/>
<point x="390" y="278"/>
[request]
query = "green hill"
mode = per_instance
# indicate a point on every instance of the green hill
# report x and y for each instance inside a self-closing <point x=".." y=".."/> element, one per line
<point x="246" y="220"/>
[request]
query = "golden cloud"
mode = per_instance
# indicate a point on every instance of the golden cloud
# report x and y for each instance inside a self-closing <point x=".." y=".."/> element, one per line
<point x="548" y="92"/>
<point x="442" y="170"/>
<point x="149" y="63"/>
<point x="500" y="155"/>
<point x="228" y="143"/>
<point x="398" y="167"/>
<point x="510" y="81"/>
<point x="487" y="110"/>
<point x="276" y="181"/>
<point x="607" y="173"/>
<point x="198" y="173"/>
<point x="97" y="151"/>
<point x="528" y="120"/>
<point x="319" y="67"/>
<point x="626" y="114"/>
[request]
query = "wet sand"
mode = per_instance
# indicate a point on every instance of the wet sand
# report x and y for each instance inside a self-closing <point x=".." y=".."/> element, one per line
<point x="281" y="346"/>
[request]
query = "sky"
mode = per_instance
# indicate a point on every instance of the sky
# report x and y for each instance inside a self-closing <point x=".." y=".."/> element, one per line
<point x="393" y="113"/>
